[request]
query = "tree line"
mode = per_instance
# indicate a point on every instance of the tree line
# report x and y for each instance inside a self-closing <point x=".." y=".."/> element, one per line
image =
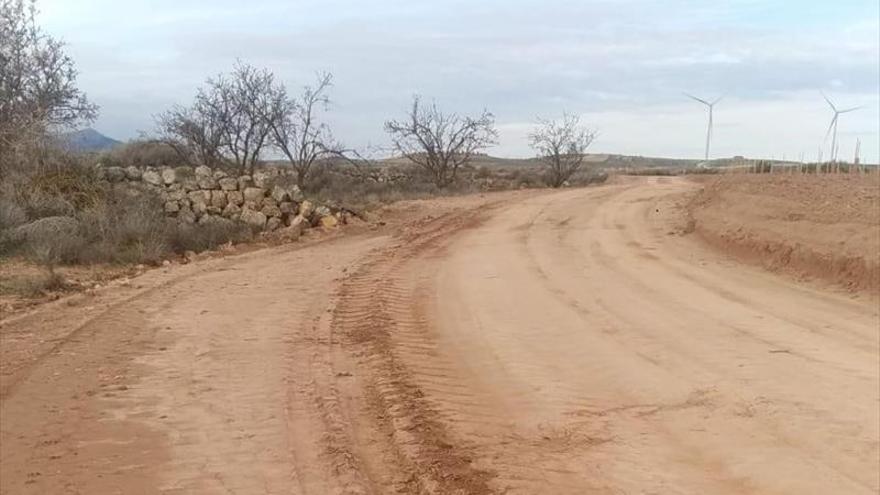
<point x="236" y="118"/>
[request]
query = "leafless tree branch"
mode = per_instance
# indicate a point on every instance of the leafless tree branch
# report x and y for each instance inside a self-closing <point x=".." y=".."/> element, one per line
<point x="438" y="142"/>
<point x="38" y="92"/>
<point x="228" y="122"/>
<point x="296" y="130"/>
<point x="561" y="145"/>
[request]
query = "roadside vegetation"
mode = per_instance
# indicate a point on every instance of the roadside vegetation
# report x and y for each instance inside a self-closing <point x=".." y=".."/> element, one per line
<point x="57" y="211"/>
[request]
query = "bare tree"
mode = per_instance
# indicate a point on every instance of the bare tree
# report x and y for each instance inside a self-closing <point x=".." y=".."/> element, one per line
<point x="241" y="103"/>
<point x="228" y="121"/>
<point x="439" y="142"/>
<point x="38" y="92"/>
<point x="561" y="145"/>
<point x="358" y="165"/>
<point x="296" y="130"/>
<point x="194" y="136"/>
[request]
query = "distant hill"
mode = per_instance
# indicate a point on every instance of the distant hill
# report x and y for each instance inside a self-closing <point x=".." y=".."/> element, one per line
<point x="87" y="140"/>
<point x="606" y="161"/>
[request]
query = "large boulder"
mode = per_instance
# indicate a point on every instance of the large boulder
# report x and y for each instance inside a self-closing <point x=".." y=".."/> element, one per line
<point x="280" y="194"/>
<point x="114" y="174"/>
<point x="295" y="192"/>
<point x="273" y="223"/>
<point x="199" y="196"/>
<point x="329" y="221"/>
<point x="271" y="211"/>
<point x="232" y="211"/>
<point x="227" y="183"/>
<point x="176" y="194"/>
<point x="322" y="211"/>
<point x="218" y="199"/>
<point x="306" y="208"/>
<point x="244" y="182"/>
<point x="253" y="218"/>
<point x="169" y="176"/>
<point x="186" y="215"/>
<point x="186" y="177"/>
<point x="199" y="201"/>
<point x="205" y="178"/>
<point x="207" y="182"/>
<point x="235" y="197"/>
<point x="215" y="220"/>
<point x="253" y="194"/>
<point x="152" y="177"/>
<point x="262" y="179"/>
<point x="203" y="171"/>
<point x="318" y="216"/>
<point x="298" y="221"/>
<point x="199" y="209"/>
<point x="132" y="173"/>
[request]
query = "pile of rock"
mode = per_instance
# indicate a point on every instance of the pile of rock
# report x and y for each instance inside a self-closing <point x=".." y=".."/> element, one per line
<point x="267" y="200"/>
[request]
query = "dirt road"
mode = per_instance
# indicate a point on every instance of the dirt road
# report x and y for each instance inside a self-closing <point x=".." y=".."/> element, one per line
<point x="537" y="342"/>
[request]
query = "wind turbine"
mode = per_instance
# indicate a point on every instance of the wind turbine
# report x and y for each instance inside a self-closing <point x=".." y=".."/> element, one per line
<point x="711" y="106"/>
<point x="832" y="128"/>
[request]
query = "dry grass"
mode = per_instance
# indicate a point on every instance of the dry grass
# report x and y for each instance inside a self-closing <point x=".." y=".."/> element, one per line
<point x="32" y="284"/>
<point x="142" y="153"/>
<point x="396" y="181"/>
<point x="110" y="223"/>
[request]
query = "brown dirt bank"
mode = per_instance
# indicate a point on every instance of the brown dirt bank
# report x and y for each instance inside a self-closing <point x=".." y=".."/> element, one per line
<point x="825" y="227"/>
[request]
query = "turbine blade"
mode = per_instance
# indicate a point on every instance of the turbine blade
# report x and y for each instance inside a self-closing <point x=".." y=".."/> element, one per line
<point x="718" y="99"/>
<point x="830" y="126"/>
<point x="850" y="109"/>
<point x="829" y="101"/>
<point x="704" y="102"/>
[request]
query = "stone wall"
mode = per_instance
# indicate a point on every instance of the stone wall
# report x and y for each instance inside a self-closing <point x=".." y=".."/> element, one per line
<point x="267" y="200"/>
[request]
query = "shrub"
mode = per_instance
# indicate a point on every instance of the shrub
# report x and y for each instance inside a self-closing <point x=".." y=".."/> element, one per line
<point x="125" y="228"/>
<point x="11" y="213"/>
<point x="49" y="240"/>
<point x="206" y="235"/>
<point x="116" y="224"/>
<point x="32" y="285"/>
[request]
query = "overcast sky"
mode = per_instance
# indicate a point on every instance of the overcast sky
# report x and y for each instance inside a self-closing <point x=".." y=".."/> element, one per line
<point x="621" y="64"/>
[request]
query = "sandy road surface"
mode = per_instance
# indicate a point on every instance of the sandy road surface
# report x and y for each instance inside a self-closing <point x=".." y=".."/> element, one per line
<point x="545" y="342"/>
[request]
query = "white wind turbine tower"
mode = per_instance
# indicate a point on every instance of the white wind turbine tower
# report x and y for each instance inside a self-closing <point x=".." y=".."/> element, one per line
<point x="832" y="128"/>
<point x="711" y="106"/>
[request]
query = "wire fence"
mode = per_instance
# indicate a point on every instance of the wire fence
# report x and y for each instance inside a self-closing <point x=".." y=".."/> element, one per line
<point x="772" y="167"/>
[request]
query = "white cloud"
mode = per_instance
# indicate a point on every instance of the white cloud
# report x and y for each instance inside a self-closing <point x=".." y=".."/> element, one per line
<point x="623" y="64"/>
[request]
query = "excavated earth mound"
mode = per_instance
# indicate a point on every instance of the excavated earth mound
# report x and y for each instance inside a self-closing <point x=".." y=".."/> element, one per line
<point x="812" y="226"/>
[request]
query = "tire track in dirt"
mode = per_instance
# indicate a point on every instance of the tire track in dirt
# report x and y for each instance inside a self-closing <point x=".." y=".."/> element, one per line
<point x="378" y="314"/>
<point x="475" y="420"/>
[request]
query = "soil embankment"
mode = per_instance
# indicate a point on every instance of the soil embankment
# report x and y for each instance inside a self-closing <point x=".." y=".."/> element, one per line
<point x="825" y="227"/>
